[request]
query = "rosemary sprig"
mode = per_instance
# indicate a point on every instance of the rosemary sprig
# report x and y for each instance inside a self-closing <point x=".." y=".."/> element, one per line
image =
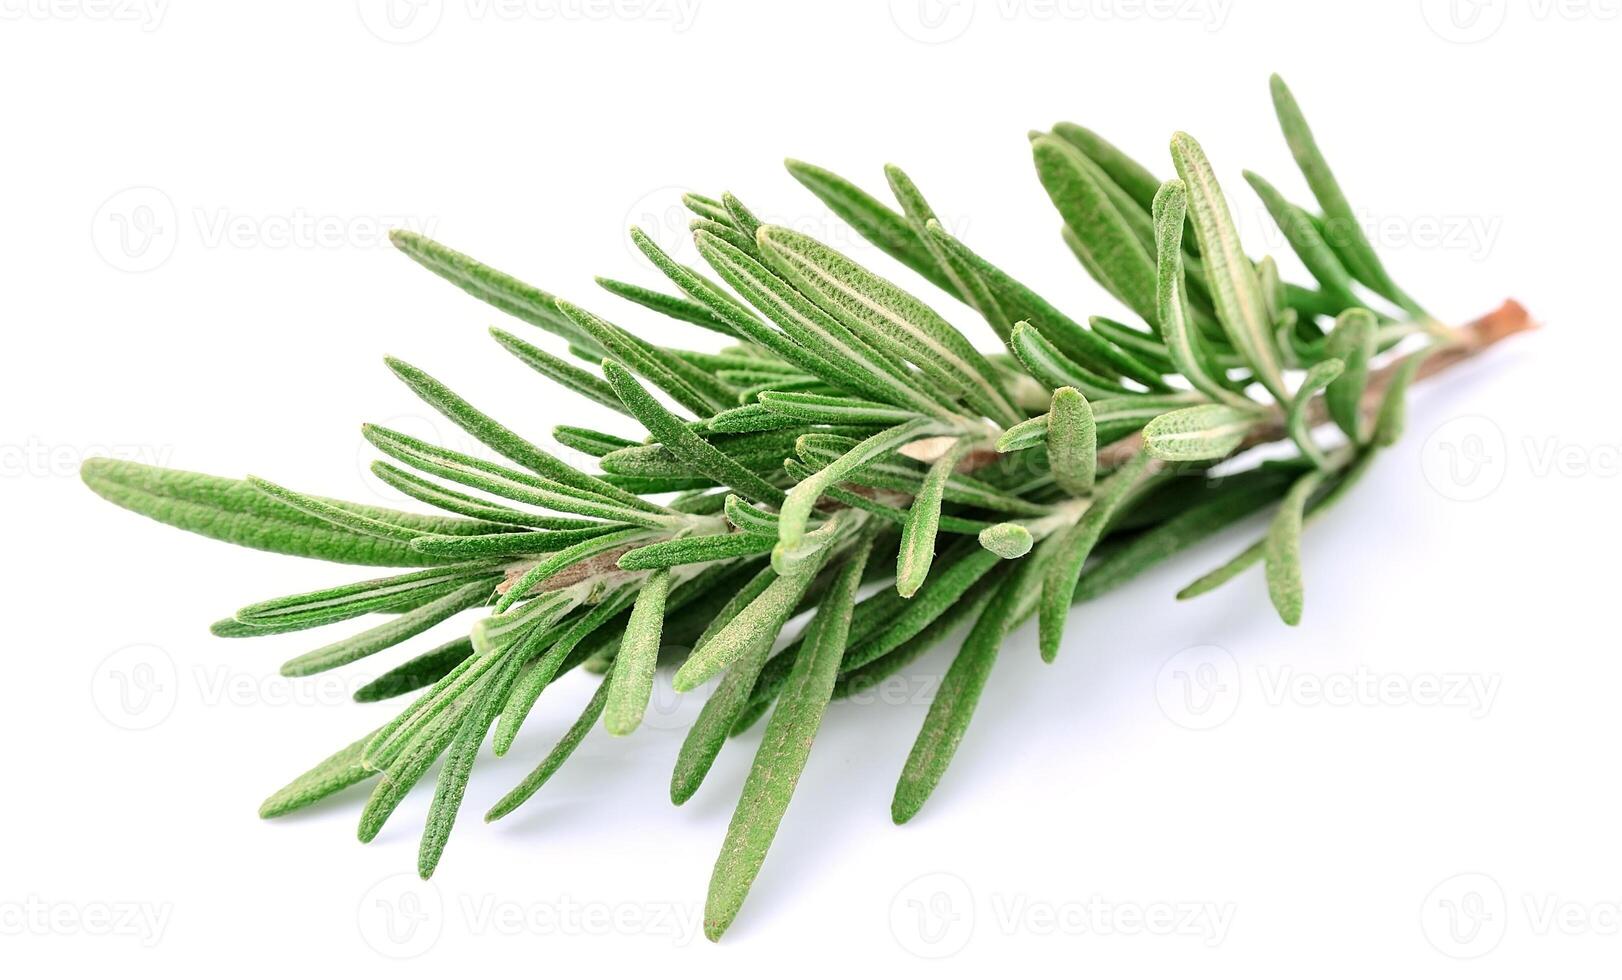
<point x="849" y="434"/>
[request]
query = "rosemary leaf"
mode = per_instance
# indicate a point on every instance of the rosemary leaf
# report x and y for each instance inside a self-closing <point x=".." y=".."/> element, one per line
<point x="342" y="769"/>
<point x="675" y="307"/>
<point x="559" y="371"/>
<point x="1170" y="211"/>
<point x="797" y="506"/>
<point x="1043" y="359"/>
<point x="526" y="302"/>
<point x="875" y="222"/>
<point x="1072" y="442"/>
<point x="783" y="751"/>
<point x="1282" y="549"/>
<point x="451" y="785"/>
<point x="1295" y="423"/>
<point x="416" y="673"/>
<point x="1302" y="234"/>
<point x="558" y="756"/>
<point x="966" y="280"/>
<point x="1120" y="260"/>
<point x="638" y="657"/>
<point x="1352" y="342"/>
<point x="923" y="521"/>
<point x="235" y="511"/>
<point x="1347" y="232"/>
<point x="505" y="441"/>
<point x="754" y="623"/>
<point x="1236" y="290"/>
<point x="832" y="410"/>
<point x="1198" y="432"/>
<point x="960" y="689"/>
<point x="396" y="630"/>
<point x="1388" y="424"/>
<point x="1007" y="540"/>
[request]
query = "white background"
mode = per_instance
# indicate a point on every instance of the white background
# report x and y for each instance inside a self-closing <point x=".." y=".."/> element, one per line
<point x="1296" y="824"/>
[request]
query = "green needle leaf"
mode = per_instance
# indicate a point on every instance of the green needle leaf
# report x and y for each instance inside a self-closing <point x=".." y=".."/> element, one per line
<point x="526" y="690"/>
<point x="1072" y="442"/>
<point x="507" y="442"/>
<point x="960" y="689"/>
<point x="236" y="512"/>
<point x="783" y="750"/>
<point x="756" y="621"/>
<point x="1393" y="414"/>
<point x="1352" y="341"/>
<point x="1022" y="303"/>
<point x="451" y="786"/>
<point x="1295" y="422"/>
<point x="1338" y="216"/>
<point x="1170" y="210"/>
<point x="923" y="521"/>
<point x="1198" y="432"/>
<point x="407" y="769"/>
<point x="875" y="222"/>
<point x="1235" y="288"/>
<point x="1302" y="234"/>
<point x="691" y="550"/>
<point x="418" y="672"/>
<point x="1282" y="549"/>
<point x="715" y="721"/>
<point x="1119" y="259"/>
<point x="559" y="371"/>
<point x="831" y="410"/>
<point x="512" y="484"/>
<point x="1131" y="176"/>
<point x="675" y="307"/>
<point x="396" y="630"/>
<point x="1255" y="553"/>
<point x="527" y="303"/>
<point x="639" y="656"/>
<point x="966" y="280"/>
<point x="810" y="338"/>
<point x="1049" y="365"/>
<point x="558" y="756"/>
<point x="690" y="388"/>
<point x="1007" y="540"/>
<point x="342" y="769"/>
<point x="797" y="507"/>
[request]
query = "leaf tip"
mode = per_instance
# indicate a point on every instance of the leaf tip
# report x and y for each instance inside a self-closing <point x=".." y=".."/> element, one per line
<point x="1007" y="540"/>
